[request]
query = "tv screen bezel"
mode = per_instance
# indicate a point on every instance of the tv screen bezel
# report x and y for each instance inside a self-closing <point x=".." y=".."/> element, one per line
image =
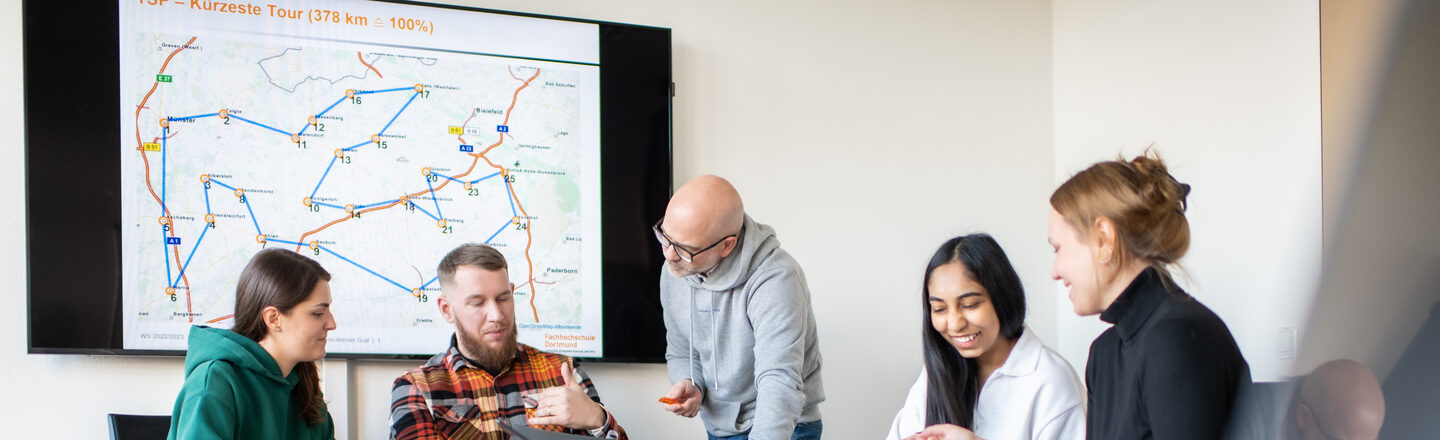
<point x="636" y="93"/>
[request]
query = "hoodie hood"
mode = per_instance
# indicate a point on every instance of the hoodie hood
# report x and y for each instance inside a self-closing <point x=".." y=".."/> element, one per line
<point x="757" y="243"/>
<point x="213" y="344"/>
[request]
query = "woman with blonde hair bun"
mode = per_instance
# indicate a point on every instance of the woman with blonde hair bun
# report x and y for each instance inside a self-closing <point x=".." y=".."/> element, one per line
<point x="1168" y="367"/>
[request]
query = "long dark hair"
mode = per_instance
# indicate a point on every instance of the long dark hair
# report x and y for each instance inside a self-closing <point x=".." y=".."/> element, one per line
<point x="953" y="382"/>
<point x="283" y="279"/>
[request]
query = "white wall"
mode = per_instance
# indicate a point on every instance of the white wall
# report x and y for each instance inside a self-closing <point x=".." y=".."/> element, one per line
<point x="866" y="133"/>
<point x="1229" y="93"/>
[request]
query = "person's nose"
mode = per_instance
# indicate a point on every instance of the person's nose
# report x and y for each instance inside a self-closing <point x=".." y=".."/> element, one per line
<point x="493" y="312"/>
<point x="329" y="321"/>
<point x="670" y="253"/>
<point x="956" y="320"/>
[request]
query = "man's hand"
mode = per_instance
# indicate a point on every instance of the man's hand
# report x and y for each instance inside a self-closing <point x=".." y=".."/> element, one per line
<point x="944" y="432"/>
<point x="567" y="405"/>
<point x="689" y="397"/>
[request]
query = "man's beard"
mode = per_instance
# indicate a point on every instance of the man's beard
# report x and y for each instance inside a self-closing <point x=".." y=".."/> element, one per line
<point x="491" y="359"/>
<point x="684" y="270"/>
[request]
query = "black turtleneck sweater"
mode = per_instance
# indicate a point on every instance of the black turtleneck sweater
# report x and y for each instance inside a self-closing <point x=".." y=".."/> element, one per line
<point x="1167" y="369"/>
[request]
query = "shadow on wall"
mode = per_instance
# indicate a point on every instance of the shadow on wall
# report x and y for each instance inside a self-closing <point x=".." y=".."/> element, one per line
<point x="1381" y="284"/>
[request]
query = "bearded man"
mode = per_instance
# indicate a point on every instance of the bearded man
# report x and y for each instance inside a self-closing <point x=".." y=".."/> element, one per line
<point x="486" y="375"/>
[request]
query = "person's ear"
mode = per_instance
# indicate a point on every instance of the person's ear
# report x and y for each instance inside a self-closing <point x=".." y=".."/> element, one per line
<point x="271" y="316"/>
<point x="445" y="311"/>
<point x="729" y="246"/>
<point x="1303" y="416"/>
<point x="1103" y="231"/>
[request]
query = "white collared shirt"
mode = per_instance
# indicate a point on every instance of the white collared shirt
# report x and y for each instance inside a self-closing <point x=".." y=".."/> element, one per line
<point x="1033" y="395"/>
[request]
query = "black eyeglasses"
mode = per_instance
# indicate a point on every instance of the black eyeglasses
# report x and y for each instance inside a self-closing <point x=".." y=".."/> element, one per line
<point x="685" y="255"/>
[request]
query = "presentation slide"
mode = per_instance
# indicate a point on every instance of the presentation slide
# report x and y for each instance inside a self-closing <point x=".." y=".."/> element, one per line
<point x="371" y="137"/>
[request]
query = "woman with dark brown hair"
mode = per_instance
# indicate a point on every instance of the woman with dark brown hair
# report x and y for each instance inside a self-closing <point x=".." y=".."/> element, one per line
<point x="1168" y="367"/>
<point x="258" y="380"/>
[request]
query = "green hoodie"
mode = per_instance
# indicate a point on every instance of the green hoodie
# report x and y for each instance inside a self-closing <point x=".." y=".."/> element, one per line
<point x="234" y="390"/>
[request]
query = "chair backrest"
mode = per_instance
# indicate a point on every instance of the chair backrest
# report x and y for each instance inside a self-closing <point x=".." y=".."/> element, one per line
<point x="135" y="427"/>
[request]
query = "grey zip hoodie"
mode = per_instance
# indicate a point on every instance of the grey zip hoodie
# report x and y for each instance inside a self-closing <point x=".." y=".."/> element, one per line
<point x="745" y="334"/>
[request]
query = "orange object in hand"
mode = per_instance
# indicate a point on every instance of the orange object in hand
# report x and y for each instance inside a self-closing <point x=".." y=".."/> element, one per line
<point x="669" y="401"/>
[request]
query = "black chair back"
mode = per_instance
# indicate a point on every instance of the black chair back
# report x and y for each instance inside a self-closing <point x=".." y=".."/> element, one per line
<point x="135" y="427"/>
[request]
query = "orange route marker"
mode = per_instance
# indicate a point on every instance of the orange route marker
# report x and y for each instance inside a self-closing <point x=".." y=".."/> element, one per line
<point x="468" y="186"/>
<point x="425" y="171"/>
<point x="164" y="220"/>
<point x="312" y="120"/>
<point x="305" y="201"/>
<point x="350" y="93"/>
<point x="170" y="291"/>
<point x="260" y="238"/>
<point x="204" y="178"/>
<point x="515" y="220"/>
<point x="164" y="122"/>
<point x="375" y="138"/>
<point x="419" y="88"/>
<point x="209" y="218"/>
<point x="415" y="292"/>
<point x="350" y="209"/>
<point x="405" y="200"/>
<point x="314" y="245"/>
<point x="339" y="153"/>
<point x="224" y="114"/>
<point x="239" y="192"/>
<point x="295" y="138"/>
<point x="440" y="223"/>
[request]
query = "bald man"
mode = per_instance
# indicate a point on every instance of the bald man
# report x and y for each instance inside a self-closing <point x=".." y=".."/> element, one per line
<point x="1340" y="400"/>
<point x="741" y="346"/>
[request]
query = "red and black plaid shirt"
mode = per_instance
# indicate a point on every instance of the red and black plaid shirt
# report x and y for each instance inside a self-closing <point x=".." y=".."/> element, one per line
<point x="448" y="398"/>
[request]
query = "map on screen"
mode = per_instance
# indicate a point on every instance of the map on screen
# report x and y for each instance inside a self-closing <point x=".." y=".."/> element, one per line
<point x="370" y="154"/>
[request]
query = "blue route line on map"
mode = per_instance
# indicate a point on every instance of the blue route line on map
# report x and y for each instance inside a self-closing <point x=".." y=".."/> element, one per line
<point x="167" y="231"/>
<point x="322" y="113"/>
<point x="252" y="218"/>
<point x="284" y="241"/>
<point x="347" y="260"/>
<point x="327" y="205"/>
<point x="434" y="198"/>
<point x="417" y="206"/>
<point x="367" y="92"/>
<point x="164" y="152"/>
<point x="397" y="114"/>
<point x="497" y="173"/>
<point x="247" y="207"/>
<point x="322" y="176"/>
<point x="332" y="105"/>
<point x="510" y="195"/>
<point x="353" y="147"/>
<point x="192" y="255"/>
<point x="165" y="250"/>
<point x="447" y="177"/>
<point x="261" y="125"/>
<point x="186" y="118"/>
<point x="498" y="231"/>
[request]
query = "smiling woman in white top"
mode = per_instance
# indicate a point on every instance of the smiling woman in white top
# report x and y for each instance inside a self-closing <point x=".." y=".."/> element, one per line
<point x="986" y="375"/>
